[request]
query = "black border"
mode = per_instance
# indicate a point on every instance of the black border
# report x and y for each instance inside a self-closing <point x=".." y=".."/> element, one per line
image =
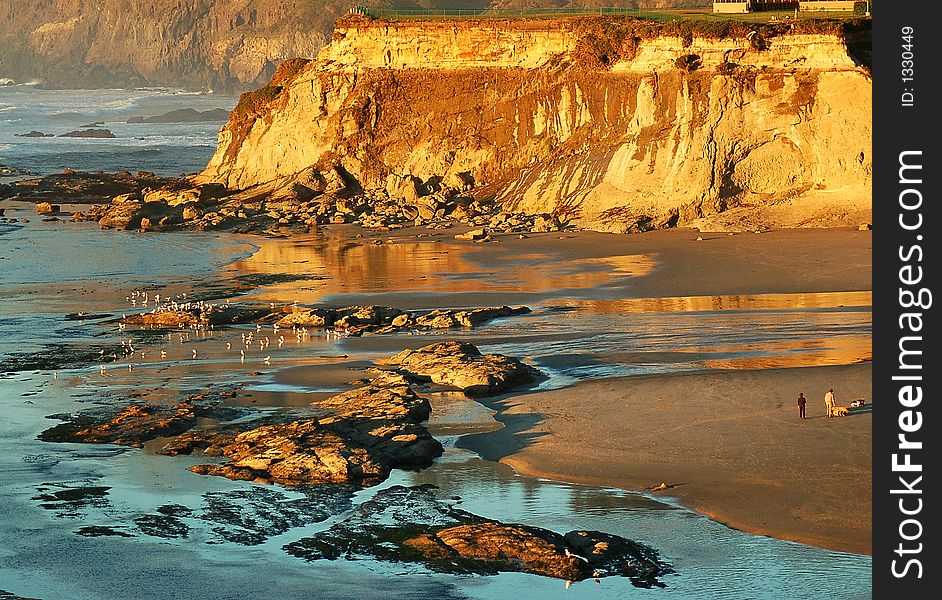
<point x="898" y="128"/>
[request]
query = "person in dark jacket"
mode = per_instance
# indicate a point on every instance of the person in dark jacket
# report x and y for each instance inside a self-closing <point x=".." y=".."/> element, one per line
<point x="801" y="405"/>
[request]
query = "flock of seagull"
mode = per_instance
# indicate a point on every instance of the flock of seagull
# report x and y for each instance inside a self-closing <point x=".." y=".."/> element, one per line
<point x="179" y="302"/>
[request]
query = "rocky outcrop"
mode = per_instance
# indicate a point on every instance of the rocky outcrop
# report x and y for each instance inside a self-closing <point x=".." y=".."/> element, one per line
<point x="402" y="524"/>
<point x="361" y="435"/>
<point x="136" y="423"/>
<point x="461" y="365"/>
<point x="606" y="123"/>
<point x="82" y="188"/>
<point x="185" y="115"/>
<point x="351" y="320"/>
<point x="90" y="133"/>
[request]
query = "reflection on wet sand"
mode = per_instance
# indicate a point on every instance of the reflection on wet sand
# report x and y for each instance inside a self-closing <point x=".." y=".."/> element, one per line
<point x="358" y="266"/>
<point x="821" y="300"/>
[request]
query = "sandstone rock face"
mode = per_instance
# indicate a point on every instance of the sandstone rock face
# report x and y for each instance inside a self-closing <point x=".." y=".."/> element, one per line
<point x="196" y="44"/>
<point x="591" y="122"/>
<point x="461" y="365"/>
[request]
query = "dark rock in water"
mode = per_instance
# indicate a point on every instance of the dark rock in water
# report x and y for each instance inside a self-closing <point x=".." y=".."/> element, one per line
<point x="89" y="133"/>
<point x="163" y="526"/>
<point x="100" y="531"/>
<point x="84" y="316"/>
<point x="35" y="134"/>
<point x="403" y="524"/>
<point x="461" y="365"/>
<point x="69" y="501"/>
<point x="185" y="115"/>
<point x="251" y="516"/>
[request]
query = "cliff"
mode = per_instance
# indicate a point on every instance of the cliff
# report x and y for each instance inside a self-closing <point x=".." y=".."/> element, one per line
<point x="609" y="123"/>
<point x="218" y="44"/>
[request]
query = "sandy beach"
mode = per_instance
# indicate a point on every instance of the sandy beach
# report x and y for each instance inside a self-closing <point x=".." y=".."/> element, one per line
<point x="730" y="444"/>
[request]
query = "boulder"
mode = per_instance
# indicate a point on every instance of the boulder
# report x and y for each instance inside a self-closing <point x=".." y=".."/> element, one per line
<point x="461" y="365"/>
<point x="403" y="188"/>
<point x="44" y="208"/>
<point x="473" y="235"/>
<point x="447" y="319"/>
<point x="191" y="212"/>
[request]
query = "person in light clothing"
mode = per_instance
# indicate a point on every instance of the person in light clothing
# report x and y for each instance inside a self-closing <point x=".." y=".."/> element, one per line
<point x="829" y="402"/>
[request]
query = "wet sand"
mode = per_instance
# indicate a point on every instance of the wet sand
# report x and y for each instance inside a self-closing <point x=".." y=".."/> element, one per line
<point x="434" y="270"/>
<point x="730" y="442"/>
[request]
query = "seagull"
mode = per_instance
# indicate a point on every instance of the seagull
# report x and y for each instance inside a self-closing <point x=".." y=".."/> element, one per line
<point x="163" y="354"/>
<point x="267" y="360"/>
<point x="228" y="346"/>
<point x="194" y="352"/>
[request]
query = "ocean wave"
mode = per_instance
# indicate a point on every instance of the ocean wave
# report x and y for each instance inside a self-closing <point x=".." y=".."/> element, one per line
<point x="8" y="108"/>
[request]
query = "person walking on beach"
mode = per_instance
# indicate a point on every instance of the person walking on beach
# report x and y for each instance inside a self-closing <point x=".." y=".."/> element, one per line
<point x="801" y="405"/>
<point x="829" y="402"/>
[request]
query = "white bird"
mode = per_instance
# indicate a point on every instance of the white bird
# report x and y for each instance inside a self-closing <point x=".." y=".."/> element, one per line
<point x="194" y="352"/>
<point x="267" y="360"/>
<point x="163" y="354"/>
<point x="55" y="375"/>
<point x="228" y="346"/>
<point x="129" y="367"/>
<point x="101" y="369"/>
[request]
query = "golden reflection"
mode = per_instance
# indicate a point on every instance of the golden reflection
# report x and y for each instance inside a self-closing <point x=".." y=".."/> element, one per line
<point x="817" y="300"/>
<point x="813" y="353"/>
<point x="351" y="266"/>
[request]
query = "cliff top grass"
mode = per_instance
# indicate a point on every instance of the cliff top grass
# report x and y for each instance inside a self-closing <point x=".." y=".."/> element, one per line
<point x="692" y="24"/>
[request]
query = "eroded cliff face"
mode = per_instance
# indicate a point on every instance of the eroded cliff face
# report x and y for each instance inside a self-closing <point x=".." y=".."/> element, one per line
<point x="612" y="124"/>
<point x="219" y="44"/>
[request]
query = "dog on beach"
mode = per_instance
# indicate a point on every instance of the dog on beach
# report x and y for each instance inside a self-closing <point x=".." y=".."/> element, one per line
<point x="841" y="411"/>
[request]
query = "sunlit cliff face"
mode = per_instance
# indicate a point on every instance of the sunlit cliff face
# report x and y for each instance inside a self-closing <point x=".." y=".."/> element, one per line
<point x="535" y="116"/>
